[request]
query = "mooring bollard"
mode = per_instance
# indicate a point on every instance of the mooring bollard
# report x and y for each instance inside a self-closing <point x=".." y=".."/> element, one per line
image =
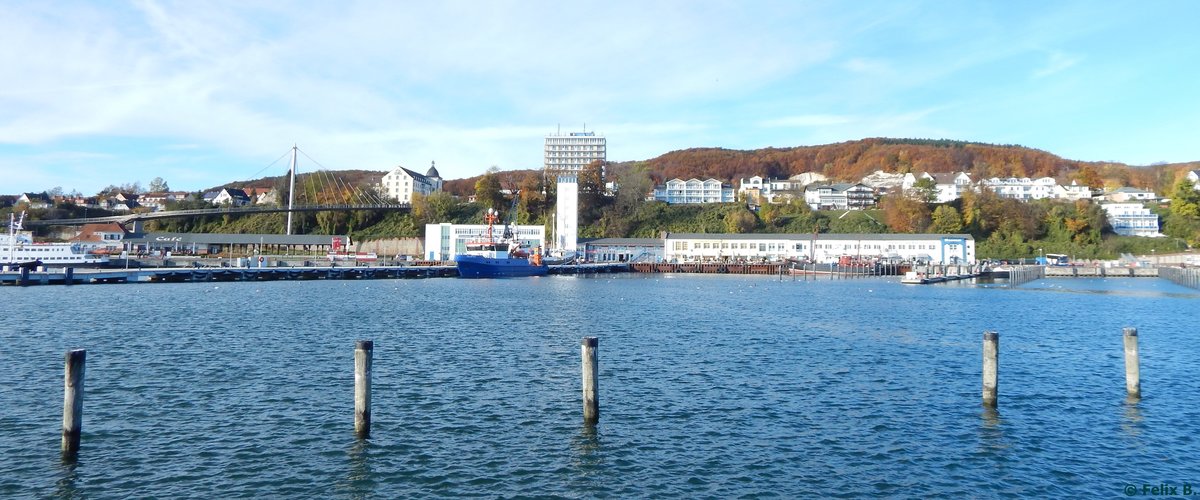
<point x="991" y="362"/>
<point x="1133" y="384"/>
<point x="591" y="401"/>
<point x="73" y="401"/>
<point x="363" y="350"/>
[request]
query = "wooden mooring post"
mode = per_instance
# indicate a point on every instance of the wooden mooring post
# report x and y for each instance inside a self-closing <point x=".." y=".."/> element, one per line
<point x="1133" y="384"/>
<point x="72" y="427"/>
<point x="991" y="365"/>
<point x="591" y="400"/>
<point x="363" y="350"/>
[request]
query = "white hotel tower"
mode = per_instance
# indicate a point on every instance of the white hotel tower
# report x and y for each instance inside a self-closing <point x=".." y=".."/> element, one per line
<point x="565" y="156"/>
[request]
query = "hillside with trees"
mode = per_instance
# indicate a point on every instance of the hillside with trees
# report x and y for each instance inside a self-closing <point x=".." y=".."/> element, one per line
<point x="1002" y="227"/>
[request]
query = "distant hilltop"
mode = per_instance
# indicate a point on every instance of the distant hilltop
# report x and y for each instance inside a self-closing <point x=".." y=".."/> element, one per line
<point x="853" y="160"/>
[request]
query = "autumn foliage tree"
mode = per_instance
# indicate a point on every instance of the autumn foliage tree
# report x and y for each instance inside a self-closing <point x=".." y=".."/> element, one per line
<point x="905" y="215"/>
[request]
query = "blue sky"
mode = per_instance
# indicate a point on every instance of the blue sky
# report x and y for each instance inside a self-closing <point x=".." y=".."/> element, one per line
<point x="202" y="93"/>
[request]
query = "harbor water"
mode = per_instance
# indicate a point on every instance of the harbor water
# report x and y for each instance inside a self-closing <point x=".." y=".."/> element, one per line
<point x="709" y="386"/>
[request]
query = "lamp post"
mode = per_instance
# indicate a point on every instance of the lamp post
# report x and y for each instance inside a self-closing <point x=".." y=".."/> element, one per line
<point x="1154" y="257"/>
<point x="1042" y="255"/>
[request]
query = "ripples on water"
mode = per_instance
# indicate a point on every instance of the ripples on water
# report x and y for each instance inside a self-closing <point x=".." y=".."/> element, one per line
<point x="710" y="386"/>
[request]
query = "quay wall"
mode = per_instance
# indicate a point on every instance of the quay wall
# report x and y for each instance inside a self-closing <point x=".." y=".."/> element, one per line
<point x="1100" y="272"/>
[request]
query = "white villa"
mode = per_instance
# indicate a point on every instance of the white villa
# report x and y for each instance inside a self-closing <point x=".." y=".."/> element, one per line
<point x="760" y="190"/>
<point x="950" y="186"/>
<point x="401" y="183"/>
<point x="824" y="248"/>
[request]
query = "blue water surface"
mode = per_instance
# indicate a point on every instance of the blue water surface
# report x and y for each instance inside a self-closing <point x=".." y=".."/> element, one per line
<point x="710" y="386"/>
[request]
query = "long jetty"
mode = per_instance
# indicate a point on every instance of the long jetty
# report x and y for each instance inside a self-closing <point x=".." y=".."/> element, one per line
<point x="74" y="276"/>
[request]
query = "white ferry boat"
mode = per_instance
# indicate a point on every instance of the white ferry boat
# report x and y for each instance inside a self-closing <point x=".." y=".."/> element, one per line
<point x="17" y="248"/>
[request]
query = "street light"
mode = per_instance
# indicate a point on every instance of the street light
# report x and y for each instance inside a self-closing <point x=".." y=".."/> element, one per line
<point x="1153" y="257"/>
<point x="1042" y="255"/>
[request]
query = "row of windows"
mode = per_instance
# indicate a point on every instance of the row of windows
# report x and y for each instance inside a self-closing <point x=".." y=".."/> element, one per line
<point x="683" y="245"/>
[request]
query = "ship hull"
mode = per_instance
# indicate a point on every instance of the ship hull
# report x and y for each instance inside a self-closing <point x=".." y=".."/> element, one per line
<point x="473" y="266"/>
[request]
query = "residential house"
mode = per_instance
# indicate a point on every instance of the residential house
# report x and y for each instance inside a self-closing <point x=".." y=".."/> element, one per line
<point x="1194" y="177"/>
<point x="229" y="196"/>
<point x="1131" y="219"/>
<point x="101" y="238"/>
<point x="678" y="191"/>
<point x="401" y="183"/>
<point x="1072" y="192"/>
<point x="262" y="195"/>
<point x="156" y="201"/>
<point x="759" y="190"/>
<point x="950" y="186"/>
<point x="1127" y="194"/>
<point x="34" y="200"/>
<point x="120" y="202"/>
<point x="841" y="196"/>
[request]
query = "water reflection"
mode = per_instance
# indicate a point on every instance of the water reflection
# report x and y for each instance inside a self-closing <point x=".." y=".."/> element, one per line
<point x="991" y="431"/>
<point x="359" y="479"/>
<point x="65" y="486"/>
<point x="586" y="448"/>
<point x="1132" y="423"/>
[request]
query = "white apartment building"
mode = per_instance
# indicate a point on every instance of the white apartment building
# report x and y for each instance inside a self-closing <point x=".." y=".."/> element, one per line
<point x="678" y="191"/>
<point x="570" y="153"/>
<point x="1023" y="189"/>
<point x="1131" y="219"/>
<point x="401" y="183"/>
<point x="842" y="196"/>
<point x="444" y="241"/>
<point x="824" y="248"/>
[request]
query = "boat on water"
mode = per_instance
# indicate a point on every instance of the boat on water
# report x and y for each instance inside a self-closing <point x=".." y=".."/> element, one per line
<point x="490" y="257"/>
<point x="19" y="249"/>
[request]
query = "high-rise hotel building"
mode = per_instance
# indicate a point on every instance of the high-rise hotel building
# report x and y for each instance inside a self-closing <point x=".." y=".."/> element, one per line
<point x="566" y="155"/>
<point x="572" y="152"/>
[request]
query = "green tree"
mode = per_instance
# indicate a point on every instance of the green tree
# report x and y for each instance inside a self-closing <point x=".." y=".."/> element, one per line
<point x="925" y="189"/>
<point x="487" y="190"/>
<point x="1185" y="199"/>
<point x="740" y="220"/>
<point x="946" y="220"/>
<point x="158" y="185"/>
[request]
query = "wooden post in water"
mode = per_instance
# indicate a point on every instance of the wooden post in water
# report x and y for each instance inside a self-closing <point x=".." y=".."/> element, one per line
<point x="1133" y="384"/>
<point x="363" y="350"/>
<point x="591" y="400"/>
<point x="991" y="362"/>
<point x="73" y="401"/>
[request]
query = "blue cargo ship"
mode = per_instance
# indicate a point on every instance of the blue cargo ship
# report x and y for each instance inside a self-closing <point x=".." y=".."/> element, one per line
<point x="489" y="258"/>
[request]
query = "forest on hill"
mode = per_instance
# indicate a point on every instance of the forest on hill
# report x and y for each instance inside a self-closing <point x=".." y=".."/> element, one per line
<point x="853" y="160"/>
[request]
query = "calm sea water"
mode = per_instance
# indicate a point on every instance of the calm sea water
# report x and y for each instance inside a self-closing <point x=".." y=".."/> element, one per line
<point x="710" y="386"/>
